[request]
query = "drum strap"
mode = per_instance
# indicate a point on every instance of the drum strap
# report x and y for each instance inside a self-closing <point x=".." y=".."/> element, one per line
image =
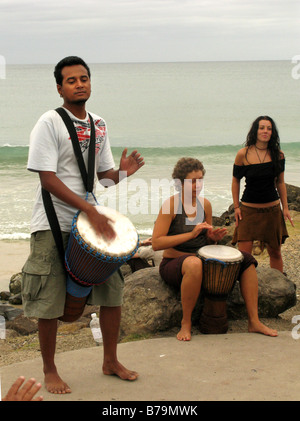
<point x="87" y="177"/>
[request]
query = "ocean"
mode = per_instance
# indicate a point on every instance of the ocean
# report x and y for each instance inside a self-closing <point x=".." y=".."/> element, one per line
<point x="166" y="111"/>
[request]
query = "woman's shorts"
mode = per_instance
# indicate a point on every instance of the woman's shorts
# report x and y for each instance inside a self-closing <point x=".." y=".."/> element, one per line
<point x="44" y="281"/>
<point x="171" y="273"/>
<point x="266" y="225"/>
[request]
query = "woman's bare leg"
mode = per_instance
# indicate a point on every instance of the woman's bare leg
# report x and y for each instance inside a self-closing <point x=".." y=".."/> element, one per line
<point x="190" y="290"/>
<point x="245" y="246"/>
<point x="276" y="261"/>
<point x="249" y="291"/>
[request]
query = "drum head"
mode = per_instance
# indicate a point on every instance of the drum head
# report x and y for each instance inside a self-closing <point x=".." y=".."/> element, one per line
<point x="224" y="253"/>
<point x="124" y="243"/>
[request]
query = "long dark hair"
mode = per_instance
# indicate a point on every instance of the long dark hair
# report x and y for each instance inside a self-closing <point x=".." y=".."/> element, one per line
<point x="274" y="142"/>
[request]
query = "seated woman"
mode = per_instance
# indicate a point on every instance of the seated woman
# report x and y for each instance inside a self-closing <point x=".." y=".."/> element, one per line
<point x="184" y="224"/>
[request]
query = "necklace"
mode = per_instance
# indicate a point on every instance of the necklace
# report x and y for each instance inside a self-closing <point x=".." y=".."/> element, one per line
<point x="261" y="161"/>
<point x="261" y="149"/>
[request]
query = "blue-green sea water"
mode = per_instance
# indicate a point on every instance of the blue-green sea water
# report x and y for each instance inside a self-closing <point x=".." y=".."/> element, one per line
<point x="166" y="111"/>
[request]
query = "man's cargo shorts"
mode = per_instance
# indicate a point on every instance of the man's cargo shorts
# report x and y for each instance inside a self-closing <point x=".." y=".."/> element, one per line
<point x="44" y="281"/>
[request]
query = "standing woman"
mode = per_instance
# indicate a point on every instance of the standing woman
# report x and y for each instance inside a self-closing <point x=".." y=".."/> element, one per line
<point x="260" y="216"/>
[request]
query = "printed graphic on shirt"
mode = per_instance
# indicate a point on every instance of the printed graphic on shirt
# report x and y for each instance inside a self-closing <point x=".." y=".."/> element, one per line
<point x="83" y="131"/>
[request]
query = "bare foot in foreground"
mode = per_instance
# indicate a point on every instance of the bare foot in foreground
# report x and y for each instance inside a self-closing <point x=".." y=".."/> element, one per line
<point x="185" y="332"/>
<point x="258" y="327"/>
<point x="116" y="368"/>
<point x="54" y="384"/>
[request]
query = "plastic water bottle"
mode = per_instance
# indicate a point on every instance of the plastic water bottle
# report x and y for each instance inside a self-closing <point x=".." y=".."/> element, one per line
<point x="95" y="328"/>
<point x="2" y="327"/>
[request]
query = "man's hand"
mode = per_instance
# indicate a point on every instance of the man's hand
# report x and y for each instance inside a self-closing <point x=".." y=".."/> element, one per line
<point x="101" y="224"/>
<point x="132" y="163"/>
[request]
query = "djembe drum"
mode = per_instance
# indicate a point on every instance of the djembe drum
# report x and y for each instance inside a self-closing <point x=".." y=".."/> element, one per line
<point x="91" y="259"/>
<point x="221" y="265"/>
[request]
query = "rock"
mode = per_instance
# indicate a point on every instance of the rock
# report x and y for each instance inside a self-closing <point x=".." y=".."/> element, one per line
<point x="276" y="293"/>
<point x="16" y="321"/>
<point x="15" y="283"/>
<point x="9" y="312"/>
<point x="23" y="325"/>
<point x="12" y="313"/>
<point x="5" y="295"/>
<point x="151" y="306"/>
<point x="15" y="299"/>
<point x="293" y="196"/>
<point x="3" y="308"/>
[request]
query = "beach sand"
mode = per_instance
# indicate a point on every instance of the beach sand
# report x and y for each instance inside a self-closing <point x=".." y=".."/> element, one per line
<point x="13" y="255"/>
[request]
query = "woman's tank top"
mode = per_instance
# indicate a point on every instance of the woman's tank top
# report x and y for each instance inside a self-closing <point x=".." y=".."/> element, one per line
<point x="182" y="224"/>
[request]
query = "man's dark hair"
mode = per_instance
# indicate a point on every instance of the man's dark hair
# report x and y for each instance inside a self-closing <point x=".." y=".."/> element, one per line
<point x="68" y="61"/>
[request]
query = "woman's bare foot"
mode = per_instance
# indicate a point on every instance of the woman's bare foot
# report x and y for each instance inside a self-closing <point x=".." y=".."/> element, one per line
<point x="54" y="384"/>
<point x="258" y="327"/>
<point x="185" y="332"/>
<point x="116" y="368"/>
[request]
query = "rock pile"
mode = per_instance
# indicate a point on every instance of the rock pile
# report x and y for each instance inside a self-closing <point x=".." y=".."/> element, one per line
<point x="151" y="306"/>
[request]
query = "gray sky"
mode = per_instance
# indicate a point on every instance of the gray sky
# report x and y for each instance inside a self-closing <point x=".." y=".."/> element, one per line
<point x="108" y="31"/>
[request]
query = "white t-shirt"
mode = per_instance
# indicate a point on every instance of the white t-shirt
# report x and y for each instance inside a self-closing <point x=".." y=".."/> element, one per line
<point x="51" y="149"/>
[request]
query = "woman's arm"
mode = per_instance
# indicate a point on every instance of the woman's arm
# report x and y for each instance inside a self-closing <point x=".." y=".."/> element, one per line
<point x="235" y="190"/>
<point x="281" y="188"/>
<point x="160" y="238"/>
<point x="235" y="187"/>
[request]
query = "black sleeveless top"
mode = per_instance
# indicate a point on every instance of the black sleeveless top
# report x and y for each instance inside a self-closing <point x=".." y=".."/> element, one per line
<point x="182" y="224"/>
<point x="260" y="181"/>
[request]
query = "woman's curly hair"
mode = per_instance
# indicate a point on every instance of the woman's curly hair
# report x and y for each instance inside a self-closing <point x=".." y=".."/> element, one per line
<point x="183" y="167"/>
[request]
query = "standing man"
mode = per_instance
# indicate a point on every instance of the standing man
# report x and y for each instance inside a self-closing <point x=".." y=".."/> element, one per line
<point x="51" y="155"/>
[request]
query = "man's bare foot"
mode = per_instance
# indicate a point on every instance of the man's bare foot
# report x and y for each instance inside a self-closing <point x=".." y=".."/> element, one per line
<point x="116" y="368"/>
<point x="54" y="384"/>
<point x="185" y="332"/>
<point x="258" y="327"/>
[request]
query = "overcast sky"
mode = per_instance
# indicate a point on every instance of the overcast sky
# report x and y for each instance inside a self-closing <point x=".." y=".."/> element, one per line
<point x="113" y="31"/>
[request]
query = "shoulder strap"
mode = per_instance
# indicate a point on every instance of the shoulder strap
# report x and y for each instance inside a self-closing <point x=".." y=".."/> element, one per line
<point x="87" y="178"/>
<point x="91" y="160"/>
<point x="54" y="224"/>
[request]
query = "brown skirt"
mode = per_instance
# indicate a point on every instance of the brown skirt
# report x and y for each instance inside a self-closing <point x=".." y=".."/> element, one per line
<point x="265" y="225"/>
